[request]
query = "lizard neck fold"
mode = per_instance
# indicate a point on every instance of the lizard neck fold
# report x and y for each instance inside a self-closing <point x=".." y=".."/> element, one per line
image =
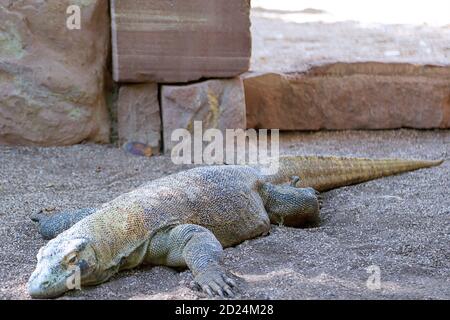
<point x="116" y="232"/>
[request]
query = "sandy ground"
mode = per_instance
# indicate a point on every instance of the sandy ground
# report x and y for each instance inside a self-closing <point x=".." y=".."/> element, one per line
<point x="431" y="12"/>
<point x="401" y="223"/>
<point x="289" y="47"/>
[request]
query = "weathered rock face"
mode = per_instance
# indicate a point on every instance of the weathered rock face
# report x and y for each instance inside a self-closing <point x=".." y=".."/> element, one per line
<point x="139" y="117"/>
<point x="356" y="96"/>
<point x="180" y="40"/>
<point x="51" y="78"/>
<point x="219" y="104"/>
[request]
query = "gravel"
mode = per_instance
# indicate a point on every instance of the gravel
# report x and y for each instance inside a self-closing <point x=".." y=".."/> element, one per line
<point x="400" y="224"/>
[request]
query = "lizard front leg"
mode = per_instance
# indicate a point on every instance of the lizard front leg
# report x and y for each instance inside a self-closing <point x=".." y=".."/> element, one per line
<point x="198" y="249"/>
<point x="50" y="226"/>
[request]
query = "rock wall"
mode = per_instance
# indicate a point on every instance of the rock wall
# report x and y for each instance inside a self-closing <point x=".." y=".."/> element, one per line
<point x="303" y="76"/>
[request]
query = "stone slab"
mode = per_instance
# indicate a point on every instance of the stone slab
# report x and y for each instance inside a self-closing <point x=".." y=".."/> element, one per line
<point x="139" y="116"/>
<point x="355" y="96"/>
<point x="180" y="40"/>
<point x="218" y="104"/>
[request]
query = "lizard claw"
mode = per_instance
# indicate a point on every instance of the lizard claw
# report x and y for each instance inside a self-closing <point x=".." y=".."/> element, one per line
<point x="294" y="181"/>
<point x="37" y="216"/>
<point x="207" y="289"/>
<point x="214" y="281"/>
<point x="313" y="191"/>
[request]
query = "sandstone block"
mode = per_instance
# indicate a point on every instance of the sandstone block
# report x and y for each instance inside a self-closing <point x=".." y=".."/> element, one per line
<point x="356" y="96"/>
<point x="139" y="117"/>
<point x="52" y="78"/>
<point x="219" y="104"/>
<point x="180" y="40"/>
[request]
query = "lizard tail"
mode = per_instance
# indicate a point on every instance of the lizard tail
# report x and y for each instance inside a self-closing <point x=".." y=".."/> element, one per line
<point x="326" y="173"/>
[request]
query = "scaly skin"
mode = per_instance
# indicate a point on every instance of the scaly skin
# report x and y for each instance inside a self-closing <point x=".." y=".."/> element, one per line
<point x="327" y="173"/>
<point x="51" y="226"/>
<point x="186" y="219"/>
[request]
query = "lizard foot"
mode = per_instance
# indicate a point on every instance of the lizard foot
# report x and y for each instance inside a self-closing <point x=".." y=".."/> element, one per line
<point x="318" y="195"/>
<point x="214" y="281"/>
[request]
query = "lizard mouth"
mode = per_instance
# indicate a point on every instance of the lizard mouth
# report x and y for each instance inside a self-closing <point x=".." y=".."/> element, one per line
<point x="43" y="286"/>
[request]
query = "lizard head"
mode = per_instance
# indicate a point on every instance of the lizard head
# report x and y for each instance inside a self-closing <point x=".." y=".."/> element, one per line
<point x="62" y="266"/>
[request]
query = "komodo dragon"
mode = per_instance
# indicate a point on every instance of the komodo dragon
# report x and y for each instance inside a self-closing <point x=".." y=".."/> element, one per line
<point x="186" y="219"/>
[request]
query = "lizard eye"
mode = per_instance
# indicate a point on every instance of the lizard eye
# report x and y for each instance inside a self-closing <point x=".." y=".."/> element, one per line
<point x="72" y="258"/>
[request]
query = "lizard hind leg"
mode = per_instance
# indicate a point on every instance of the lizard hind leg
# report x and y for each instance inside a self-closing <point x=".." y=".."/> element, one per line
<point x="291" y="206"/>
<point x="50" y="226"/>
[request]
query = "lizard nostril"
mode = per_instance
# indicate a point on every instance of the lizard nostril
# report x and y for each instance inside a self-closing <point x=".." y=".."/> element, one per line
<point x="45" y="284"/>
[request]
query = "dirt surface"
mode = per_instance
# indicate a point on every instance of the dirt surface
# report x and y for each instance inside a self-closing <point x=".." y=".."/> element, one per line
<point x="401" y="223"/>
<point x="289" y="47"/>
